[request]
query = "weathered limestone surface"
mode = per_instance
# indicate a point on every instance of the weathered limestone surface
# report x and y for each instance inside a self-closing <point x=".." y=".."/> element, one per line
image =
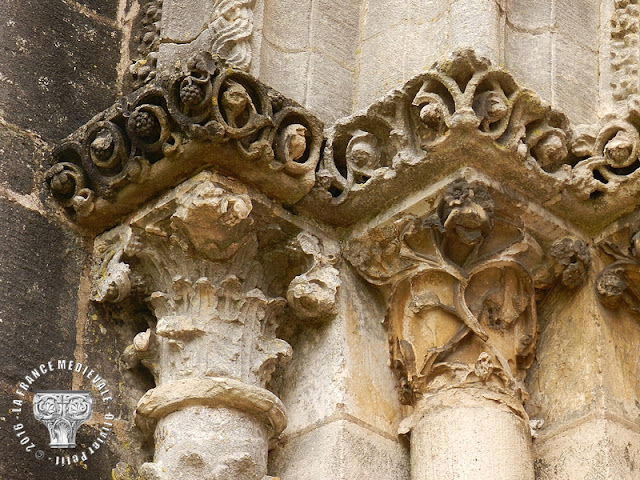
<point x="594" y="448"/>
<point x="467" y="438"/>
<point x="453" y="269"/>
<point x="342" y="450"/>
<point x="339" y="392"/>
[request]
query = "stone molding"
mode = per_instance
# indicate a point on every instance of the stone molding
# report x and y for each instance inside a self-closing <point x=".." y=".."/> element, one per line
<point x="211" y="391"/>
<point x="624" y="48"/>
<point x="164" y="133"/>
<point x="459" y="114"/>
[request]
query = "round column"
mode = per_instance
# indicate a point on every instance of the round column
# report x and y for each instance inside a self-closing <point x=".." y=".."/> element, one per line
<point x="462" y="435"/>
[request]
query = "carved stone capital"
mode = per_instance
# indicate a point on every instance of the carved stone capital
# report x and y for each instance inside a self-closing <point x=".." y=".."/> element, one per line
<point x="193" y="256"/>
<point x="461" y="282"/>
<point x="201" y="259"/>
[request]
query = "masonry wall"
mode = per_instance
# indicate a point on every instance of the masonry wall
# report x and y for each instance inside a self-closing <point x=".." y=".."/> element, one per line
<point x="64" y="61"/>
<point x="60" y="64"/>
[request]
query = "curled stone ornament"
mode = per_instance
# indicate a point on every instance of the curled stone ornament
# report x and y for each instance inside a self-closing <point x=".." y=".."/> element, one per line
<point x="617" y="284"/>
<point x="611" y="286"/>
<point x="550" y="149"/>
<point x="491" y="107"/>
<point x="313" y="293"/>
<point x="224" y="114"/>
<point x="379" y="154"/>
<point x="66" y="182"/>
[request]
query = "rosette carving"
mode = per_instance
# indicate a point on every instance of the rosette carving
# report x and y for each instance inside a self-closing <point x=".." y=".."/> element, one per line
<point x="275" y="144"/>
<point x="67" y="181"/>
<point x="608" y="152"/>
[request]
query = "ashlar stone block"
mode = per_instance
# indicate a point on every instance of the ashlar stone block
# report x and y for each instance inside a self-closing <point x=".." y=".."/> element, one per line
<point x="284" y="70"/>
<point x="576" y="81"/>
<point x="600" y="448"/>
<point x="334" y="30"/>
<point x="476" y="24"/>
<point x="536" y="73"/>
<point x="340" y="450"/>
<point x="380" y="15"/>
<point x="527" y="15"/>
<point x="380" y="68"/>
<point x="580" y="24"/>
<point x="287" y="24"/>
<point x="434" y="34"/>
<point x="330" y="87"/>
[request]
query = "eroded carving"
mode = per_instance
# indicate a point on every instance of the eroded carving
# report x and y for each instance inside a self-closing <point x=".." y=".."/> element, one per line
<point x="313" y="293"/>
<point x="572" y="258"/>
<point x="607" y="152"/>
<point x="231" y="31"/>
<point x="462" y="93"/>
<point x="617" y="284"/>
<point x="462" y="308"/>
<point x="260" y="137"/>
<point x="143" y="69"/>
<point x="624" y="48"/>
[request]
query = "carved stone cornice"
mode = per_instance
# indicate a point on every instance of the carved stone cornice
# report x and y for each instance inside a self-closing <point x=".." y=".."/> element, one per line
<point x="464" y="113"/>
<point x="467" y="113"/>
<point x="461" y="113"/>
<point x="171" y="129"/>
